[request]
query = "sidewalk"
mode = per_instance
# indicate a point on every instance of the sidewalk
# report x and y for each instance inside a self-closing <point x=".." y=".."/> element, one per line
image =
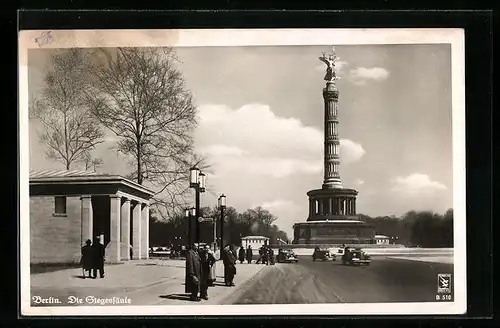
<point x="430" y="259"/>
<point x="144" y="282"/>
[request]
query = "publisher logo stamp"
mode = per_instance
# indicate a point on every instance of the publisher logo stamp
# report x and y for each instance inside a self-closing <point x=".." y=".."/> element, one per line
<point x="444" y="283"/>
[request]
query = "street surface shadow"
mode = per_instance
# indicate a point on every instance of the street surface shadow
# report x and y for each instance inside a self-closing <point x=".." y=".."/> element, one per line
<point x="219" y="284"/>
<point x="81" y="277"/>
<point x="181" y="297"/>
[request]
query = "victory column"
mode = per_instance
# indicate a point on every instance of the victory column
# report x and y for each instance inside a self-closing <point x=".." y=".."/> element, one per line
<point x="332" y="209"/>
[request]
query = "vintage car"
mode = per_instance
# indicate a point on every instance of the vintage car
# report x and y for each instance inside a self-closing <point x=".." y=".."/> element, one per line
<point x="286" y="256"/>
<point x="355" y="256"/>
<point x="323" y="255"/>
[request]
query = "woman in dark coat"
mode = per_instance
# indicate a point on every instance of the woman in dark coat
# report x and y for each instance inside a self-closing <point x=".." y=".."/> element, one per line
<point x="193" y="272"/>
<point x="86" y="260"/>
<point x="249" y="254"/>
<point x="241" y="255"/>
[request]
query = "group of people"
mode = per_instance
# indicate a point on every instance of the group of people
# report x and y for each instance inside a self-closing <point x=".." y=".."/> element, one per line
<point x="200" y="269"/>
<point x="93" y="259"/>
<point x="245" y="254"/>
<point x="266" y="255"/>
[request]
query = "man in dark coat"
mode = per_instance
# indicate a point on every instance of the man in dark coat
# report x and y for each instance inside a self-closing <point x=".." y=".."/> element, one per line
<point x="86" y="260"/>
<point x="193" y="272"/>
<point x="249" y="254"/>
<point x="229" y="261"/>
<point x="98" y="254"/>
<point x="207" y="260"/>
<point x="241" y="255"/>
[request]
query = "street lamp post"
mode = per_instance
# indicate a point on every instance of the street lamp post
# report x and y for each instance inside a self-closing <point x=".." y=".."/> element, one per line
<point x="222" y="206"/>
<point x="215" y="235"/>
<point x="197" y="182"/>
<point x="187" y="217"/>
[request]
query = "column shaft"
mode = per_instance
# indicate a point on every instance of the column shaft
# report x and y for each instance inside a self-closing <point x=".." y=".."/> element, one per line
<point x="125" y="230"/>
<point x="145" y="231"/>
<point x="87" y="218"/>
<point x="136" y="232"/>
<point x="113" y="248"/>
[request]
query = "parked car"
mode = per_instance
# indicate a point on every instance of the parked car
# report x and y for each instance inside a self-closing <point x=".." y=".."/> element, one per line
<point x="286" y="256"/>
<point x="323" y="255"/>
<point x="355" y="256"/>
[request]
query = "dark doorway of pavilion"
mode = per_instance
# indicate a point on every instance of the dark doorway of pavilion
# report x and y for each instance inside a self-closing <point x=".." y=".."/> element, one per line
<point x="101" y="217"/>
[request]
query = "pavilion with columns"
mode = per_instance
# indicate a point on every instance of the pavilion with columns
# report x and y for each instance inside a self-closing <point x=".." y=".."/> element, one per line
<point x="69" y="207"/>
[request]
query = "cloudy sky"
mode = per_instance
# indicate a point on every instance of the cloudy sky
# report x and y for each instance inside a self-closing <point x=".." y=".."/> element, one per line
<point x="261" y="125"/>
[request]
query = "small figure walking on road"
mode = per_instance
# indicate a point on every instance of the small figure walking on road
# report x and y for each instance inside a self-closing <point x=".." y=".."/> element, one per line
<point x="98" y="254"/>
<point x="241" y="255"/>
<point x="229" y="261"/>
<point x="265" y="255"/>
<point x="249" y="254"/>
<point x="193" y="272"/>
<point x="86" y="260"/>
<point x="271" y="256"/>
<point x="261" y="253"/>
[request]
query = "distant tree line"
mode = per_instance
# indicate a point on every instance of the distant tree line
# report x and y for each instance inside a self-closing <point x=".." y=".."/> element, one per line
<point x="423" y="228"/>
<point x="252" y="222"/>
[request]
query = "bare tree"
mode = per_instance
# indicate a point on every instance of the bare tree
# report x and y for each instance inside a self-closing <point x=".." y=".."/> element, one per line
<point x="140" y="95"/>
<point x="92" y="162"/>
<point x="70" y="131"/>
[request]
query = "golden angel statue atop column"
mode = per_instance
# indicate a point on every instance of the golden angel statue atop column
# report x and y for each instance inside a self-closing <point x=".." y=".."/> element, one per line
<point x="330" y="65"/>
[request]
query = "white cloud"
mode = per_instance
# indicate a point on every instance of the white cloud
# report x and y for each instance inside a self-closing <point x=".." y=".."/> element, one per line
<point x="416" y="184"/>
<point x="253" y="140"/>
<point x="287" y="212"/>
<point x="222" y="150"/>
<point x="360" y="75"/>
<point x="277" y="204"/>
<point x="339" y="65"/>
<point x="350" y="151"/>
<point x="359" y="182"/>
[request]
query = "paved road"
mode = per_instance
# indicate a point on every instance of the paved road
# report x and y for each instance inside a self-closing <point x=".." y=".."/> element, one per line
<point x="384" y="280"/>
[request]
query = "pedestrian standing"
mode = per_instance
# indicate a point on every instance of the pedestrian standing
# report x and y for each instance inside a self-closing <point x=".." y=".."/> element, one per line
<point x="193" y="272"/>
<point x="98" y="254"/>
<point x="249" y="254"/>
<point x="205" y="272"/>
<point x="86" y="260"/>
<point x="241" y="255"/>
<point x="229" y="261"/>
<point x="212" y="262"/>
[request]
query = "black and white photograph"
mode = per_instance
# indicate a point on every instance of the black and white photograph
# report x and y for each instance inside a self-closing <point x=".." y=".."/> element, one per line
<point x="242" y="172"/>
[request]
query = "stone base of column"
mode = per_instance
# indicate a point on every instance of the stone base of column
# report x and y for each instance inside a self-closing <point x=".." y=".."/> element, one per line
<point x="125" y="252"/>
<point x="337" y="184"/>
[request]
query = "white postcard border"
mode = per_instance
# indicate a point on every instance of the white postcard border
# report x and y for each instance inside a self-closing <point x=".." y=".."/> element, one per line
<point x="254" y="37"/>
